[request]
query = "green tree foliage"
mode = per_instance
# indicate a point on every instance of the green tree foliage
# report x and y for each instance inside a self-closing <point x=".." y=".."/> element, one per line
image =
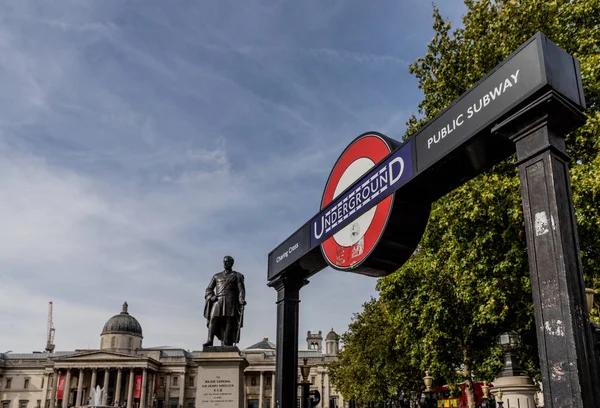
<point x="470" y="279"/>
<point x="369" y="366"/>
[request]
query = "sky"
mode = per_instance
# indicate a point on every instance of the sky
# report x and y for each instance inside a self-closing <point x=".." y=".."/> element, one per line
<point x="142" y="141"/>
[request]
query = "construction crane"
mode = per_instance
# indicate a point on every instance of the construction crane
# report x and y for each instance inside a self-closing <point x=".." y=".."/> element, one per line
<point x="50" y="342"/>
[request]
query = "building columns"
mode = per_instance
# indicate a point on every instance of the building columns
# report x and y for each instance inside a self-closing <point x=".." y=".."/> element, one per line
<point x="143" y="392"/>
<point x="79" y="388"/>
<point x="93" y="383"/>
<point x="326" y="394"/>
<point x="167" y="403"/>
<point x="261" y="392"/>
<point x="130" y="389"/>
<point x="118" y="385"/>
<point x="272" y="389"/>
<point x="181" y="390"/>
<point x="45" y="390"/>
<point x="67" y="389"/>
<point x="53" y="390"/>
<point x="105" y="387"/>
<point x="150" y="394"/>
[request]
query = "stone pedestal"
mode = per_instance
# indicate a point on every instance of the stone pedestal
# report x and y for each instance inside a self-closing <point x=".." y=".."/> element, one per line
<point x="220" y="379"/>
<point x="517" y="391"/>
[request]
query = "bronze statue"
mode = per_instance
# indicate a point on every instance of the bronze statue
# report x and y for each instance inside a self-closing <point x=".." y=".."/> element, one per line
<point x="224" y="307"/>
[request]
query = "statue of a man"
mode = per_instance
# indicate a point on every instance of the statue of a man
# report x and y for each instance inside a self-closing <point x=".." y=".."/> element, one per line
<point x="224" y="307"/>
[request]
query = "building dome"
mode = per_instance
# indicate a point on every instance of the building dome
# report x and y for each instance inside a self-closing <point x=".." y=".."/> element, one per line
<point x="123" y="323"/>
<point x="332" y="336"/>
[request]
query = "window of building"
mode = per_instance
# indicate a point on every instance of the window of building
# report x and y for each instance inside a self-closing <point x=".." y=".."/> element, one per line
<point x="175" y="381"/>
<point x="174" y="402"/>
<point x="312" y="379"/>
<point x="253" y="403"/>
<point x="42" y="385"/>
<point x="191" y="403"/>
<point x="113" y="342"/>
<point x="39" y="403"/>
<point x="191" y="381"/>
<point x="268" y="403"/>
<point x="131" y="342"/>
<point x="268" y="381"/>
<point x="253" y="380"/>
<point x="8" y="383"/>
<point x="26" y="383"/>
<point x="23" y="404"/>
<point x="161" y="382"/>
<point x="5" y="404"/>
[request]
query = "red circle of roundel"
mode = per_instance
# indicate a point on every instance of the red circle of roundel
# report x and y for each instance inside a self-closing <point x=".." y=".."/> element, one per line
<point x="370" y="147"/>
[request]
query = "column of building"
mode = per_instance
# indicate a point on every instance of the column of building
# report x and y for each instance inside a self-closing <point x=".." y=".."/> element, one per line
<point x="79" y="388"/>
<point x="105" y="387"/>
<point x="66" y="389"/>
<point x="94" y="378"/>
<point x="55" y="375"/>
<point x="45" y="390"/>
<point x="117" y="398"/>
<point x="149" y="398"/>
<point x="273" y="389"/>
<point x="143" y="392"/>
<point x="325" y="394"/>
<point x="182" y="389"/>
<point x="261" y="391"/>
<point x="167" y="403"/>
<point x="130" y="389"/>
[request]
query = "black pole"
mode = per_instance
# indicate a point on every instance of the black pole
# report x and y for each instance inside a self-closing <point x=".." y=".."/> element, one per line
<point x="305" y="395"/>
<point x="567" y="359"/>
<point x="286" y="369"/>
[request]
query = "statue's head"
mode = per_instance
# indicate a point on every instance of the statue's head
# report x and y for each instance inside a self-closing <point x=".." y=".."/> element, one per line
<point x="228" y="262"/>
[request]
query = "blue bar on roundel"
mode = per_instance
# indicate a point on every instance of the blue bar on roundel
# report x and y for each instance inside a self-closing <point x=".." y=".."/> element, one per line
<point x="393" y="172"/>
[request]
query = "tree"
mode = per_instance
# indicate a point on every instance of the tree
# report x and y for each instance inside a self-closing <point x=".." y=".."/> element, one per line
<point x="369" y="367"/>
<point x="470" y="279"/>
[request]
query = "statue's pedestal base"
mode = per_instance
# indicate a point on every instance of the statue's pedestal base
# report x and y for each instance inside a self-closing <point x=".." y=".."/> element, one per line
<point x="517" y="391"/>
<point x="220" y="349"/>
<point x="220" y="379"/>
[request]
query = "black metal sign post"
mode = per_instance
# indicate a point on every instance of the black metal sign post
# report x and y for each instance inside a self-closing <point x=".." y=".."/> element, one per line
<point x="528" y="103"/>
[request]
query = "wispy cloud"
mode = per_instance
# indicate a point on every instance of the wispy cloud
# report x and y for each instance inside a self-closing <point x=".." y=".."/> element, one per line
<point x="142" y="141"/>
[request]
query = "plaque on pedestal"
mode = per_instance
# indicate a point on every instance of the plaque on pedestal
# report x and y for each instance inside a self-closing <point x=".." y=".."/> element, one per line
<point x="220" y="380"/>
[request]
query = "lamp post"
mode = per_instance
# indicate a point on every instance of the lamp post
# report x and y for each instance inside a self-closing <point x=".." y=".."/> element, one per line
<point x="499" y="399"/>
<point x="509" y="342"/>
<point x="305" y="385"/>
<point x="485" y="402"/>
<point x="427" y="400"/>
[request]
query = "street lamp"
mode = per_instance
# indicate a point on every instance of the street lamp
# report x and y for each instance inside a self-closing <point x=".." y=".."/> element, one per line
<point x="499" y="398"/>
<point x="509" y="342"/>
<point x="427" y="400"/>
<point x="305" y="370"/>
<point x="308" y="398"/>
<point x="428" y="380"/>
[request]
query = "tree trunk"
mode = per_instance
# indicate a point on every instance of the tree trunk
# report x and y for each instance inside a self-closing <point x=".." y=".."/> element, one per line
<point x="469" y="390"/>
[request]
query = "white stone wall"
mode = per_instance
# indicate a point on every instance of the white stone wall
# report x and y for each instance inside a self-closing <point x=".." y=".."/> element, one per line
<point x="17" y="391"/>
<point x="120" y="342"/>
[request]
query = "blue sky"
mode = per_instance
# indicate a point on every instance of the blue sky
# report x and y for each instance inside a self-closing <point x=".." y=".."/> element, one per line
<point x="144" y="140"/>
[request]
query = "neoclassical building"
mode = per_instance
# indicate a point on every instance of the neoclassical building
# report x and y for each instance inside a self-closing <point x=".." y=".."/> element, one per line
<point x="138" y="377"/>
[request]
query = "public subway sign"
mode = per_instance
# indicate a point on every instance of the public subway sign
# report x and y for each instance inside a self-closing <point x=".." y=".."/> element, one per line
<point x="376" y="200"/>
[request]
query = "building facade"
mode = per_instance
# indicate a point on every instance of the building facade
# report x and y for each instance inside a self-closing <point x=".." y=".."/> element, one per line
<point x="137" y="377"/>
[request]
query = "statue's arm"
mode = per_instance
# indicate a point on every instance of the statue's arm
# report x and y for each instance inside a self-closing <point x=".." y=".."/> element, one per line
<point x="210" y="289"/>
<point x="241" y="289"/>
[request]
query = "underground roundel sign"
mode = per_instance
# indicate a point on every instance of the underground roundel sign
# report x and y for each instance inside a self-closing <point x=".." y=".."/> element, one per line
<point x="350" y="246"/>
